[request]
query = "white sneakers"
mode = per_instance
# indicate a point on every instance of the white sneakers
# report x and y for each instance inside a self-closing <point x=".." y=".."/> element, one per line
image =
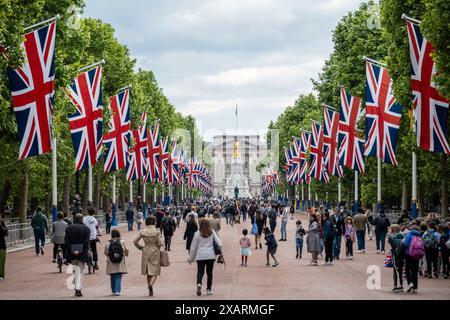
<point x="209" y="292"/>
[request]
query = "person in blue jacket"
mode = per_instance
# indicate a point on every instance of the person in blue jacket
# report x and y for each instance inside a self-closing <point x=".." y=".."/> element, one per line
<point x="328" y="235"/>
<point x="411" y="263"/>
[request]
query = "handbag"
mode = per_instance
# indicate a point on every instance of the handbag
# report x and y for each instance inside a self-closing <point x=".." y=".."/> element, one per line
<point x="76" y="247"/>
<point x="165" y="259"/>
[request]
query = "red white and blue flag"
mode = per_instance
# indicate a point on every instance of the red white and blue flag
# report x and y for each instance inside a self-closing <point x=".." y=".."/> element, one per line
<point x="137" y="159"/>
<point x="173" y="163"/>
<point x="330" y="141"/>
<point x="430" y="108"/>
<point x="351" y="147"/>
<point x="383" y="115"/>
<point x="153" y="154"/>
<point x="296" y="160"/>
<point x="317" y="168"/>
<point x="163" y="160"/>
<point x="86" y="124"/>
<point x="117" y="139"/>
<point x="32" y="89"/>
<point x="305" y="145"/>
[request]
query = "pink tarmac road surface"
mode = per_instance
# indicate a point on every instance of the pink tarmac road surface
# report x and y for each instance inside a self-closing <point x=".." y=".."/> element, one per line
<point x="31" y="277"/>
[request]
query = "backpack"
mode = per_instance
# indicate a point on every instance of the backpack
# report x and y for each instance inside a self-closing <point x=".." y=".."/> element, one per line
<point x="430" y="240"/>
<point x="168" y="225"/>
<point x="115" y="251"/>
<point x="417" y="247"/>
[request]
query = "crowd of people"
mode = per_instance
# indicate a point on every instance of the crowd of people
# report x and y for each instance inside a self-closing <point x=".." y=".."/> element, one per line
<point x="417" y="247"/>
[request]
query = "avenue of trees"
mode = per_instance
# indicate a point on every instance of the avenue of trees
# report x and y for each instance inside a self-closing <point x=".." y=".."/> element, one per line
<point x="354" y="37"/>
<point x="26" y="184"/>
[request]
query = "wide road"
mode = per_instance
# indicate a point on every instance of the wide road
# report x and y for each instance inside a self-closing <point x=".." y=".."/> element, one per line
<point x="30" y="277"/>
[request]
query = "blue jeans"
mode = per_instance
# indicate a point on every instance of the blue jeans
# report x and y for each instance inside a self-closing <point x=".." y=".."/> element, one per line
<point x="39" y="237"/>
<point x="116" y="281"/>
<point x="361" y="239"/>
<point x="337" y="245"/>
<point x="273" y="225"/>
<point x="130" y="225"/>
<point x="299" y="245"/>
<point x="283" y="230"/>
<point x="380" y="237"/>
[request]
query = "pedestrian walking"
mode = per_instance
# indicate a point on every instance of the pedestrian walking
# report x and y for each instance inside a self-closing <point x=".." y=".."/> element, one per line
<point x="382" y="224"/>
<point x="313" y="238"/>
<point x="168" y="226"/>
<point x="245" y="244"/>
<point x="361" y="225"/>
<point x="91" y="222"/>
<point x="444" y="250"/>
<point x="272" y="246"/>
<point x="151" y="252"/>
<point x="414" y="251"/>
<point x="191" y="229"/>
<point x="3" y="234"/>
<point x="58" y="236"/>
<point x="431" y="241"/>
<point x="215" y="222"/>
<point x="108" y="220"/>
<point x="39" y="223"/>
<point x="272" y="215"/>
<point x="299" y="234"/>
<point x="139" y="219"/>
<point x="284" y="220"/>
<point x="129" y="215"/>
<point x="292" y="211"/>
<point x="115" y="252"/>
<point x="338" y="220"/>
<point x="395" y="239"/>
<point x="77" y="246"/>
<point x="350" y="237"/>
<point x="328" y="235"/>
<point x="206" y="245"/>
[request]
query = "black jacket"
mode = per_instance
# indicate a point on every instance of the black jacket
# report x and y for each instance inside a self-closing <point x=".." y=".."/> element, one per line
<point x="3" y="234"/>
<point x="339" y="223"/>
<point x="77" y="233"/>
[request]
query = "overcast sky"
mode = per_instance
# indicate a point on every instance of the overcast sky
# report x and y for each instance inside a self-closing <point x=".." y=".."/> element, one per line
<point x="210" y="55"/>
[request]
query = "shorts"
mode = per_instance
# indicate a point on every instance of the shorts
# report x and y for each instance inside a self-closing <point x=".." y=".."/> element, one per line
<point x="272" y="250"/>
<point x="246" y="252"/>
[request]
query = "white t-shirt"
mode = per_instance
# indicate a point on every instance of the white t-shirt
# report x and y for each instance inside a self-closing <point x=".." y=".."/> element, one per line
<point x="91" y="223"/>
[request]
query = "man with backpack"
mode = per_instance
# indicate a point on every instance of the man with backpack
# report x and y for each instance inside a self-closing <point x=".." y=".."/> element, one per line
<point x="431" y="241"/>
<point x="382" y="224"/>
<point x="39" y="223"/>
<point x="168" y="226"/>
<point x="414" y="251"/>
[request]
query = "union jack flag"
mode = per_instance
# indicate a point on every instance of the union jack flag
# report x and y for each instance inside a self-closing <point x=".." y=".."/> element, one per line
<point x="137" y="159"/>
<point x="192" y="171"/>
<point x="330" y="140"/>
<point x="430" y="108"/>
<point x="289" y="164"/>
<point x="117" y="139"/>
<point x="173" y="163"/>
<point x="296" y="160"/>
<point x="153" y="154"/>
<point x="349" y="151"/>
<point x="304" y="146"/>
<point x="317" y="169"/>
<point x="383" y="115"/>
<point x="163" y="160"/>
<point x="86" y="124"/>
<point x="32" y="89"/>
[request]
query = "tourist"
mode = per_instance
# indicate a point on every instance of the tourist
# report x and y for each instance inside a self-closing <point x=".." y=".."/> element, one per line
<point x="215" y="222"/>
<point x="39" y="223"/>
<point x="395" y="239"/>
<point x="328" y="235"/>
<point x="382" y="224"/>
<point x="444" y="248"/>
<point x="151" y="252"/>
<point x="272" y="215"/>
<point x="299" y="234"/>
<point x="168" y="226"/>
<point x="3" y="234"/>
<point x="370" y="218"/>
<point x="194" y="213"/>
<point x="205" y="246"/>
<point x="129" y="214"/>
<point x="272" y="245"/>
<point x="108" y="220"/>
<point x="191" y="229"/>
<point x="260" y="223"/>
<point x="411" y="259"/>
<point x="160" y="214"/>
<point x="91" y="222"/>
<point x="361" y="225"/>
<point x="292" y="211"/>
<point x="244" y="211"/>
<point x="116" y="251"/>
<point x="139" y="219"/>
<point x="350" y="236"/>
<point x="77" y="247"/>
<point x="178" y="216"/>
<point x="284" y="220"/>
<point x="431" y="241"/>
<point x="245" y="244"/>
<point x="58" y="235"/>
<point x="313" y="238"/>
<point x="404" y="218"/>
<point x="338" y="220"/>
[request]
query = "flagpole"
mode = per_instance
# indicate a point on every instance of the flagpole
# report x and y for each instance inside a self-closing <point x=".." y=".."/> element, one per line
<point x="114" y="207"/>
<point x="162" y="195"/>
<point x="90" y="186"/>
<point x="144" y="200"/>
<point x="54" y="181"/>
<point x="339" y="192"/>
<point x="414" y="186"/>
<point x="154" y="195"/>
<point x="92" y="65"/>
<point x="131" y="192"/>
<point x="303" y="198"/>
<point x="356" y="209"/>
<point x="43" y="22"/>
<point x="309" y="195"/>
<point x="379" y="201"/>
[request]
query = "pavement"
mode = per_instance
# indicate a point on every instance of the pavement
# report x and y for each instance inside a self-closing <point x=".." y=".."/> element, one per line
<point x="30" y="277"/>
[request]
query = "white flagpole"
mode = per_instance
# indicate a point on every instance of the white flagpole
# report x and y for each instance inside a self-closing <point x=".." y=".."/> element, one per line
<point x="162" y="195"/>
<point x="90" y="186"/>
<point x="303" y="197"/>
<point x="379" y="206"/>
<point x="54" y="181"/>
<point x="144" y="196"/>
<point x="339" y="192"/>
<point x="309" y="194"/>
<point x="414" y="186"/>
<point x="131" y="192"/>
<point x="154" y="195"/>
<point x="356" y="192"/>
<point x="114" y="208"/>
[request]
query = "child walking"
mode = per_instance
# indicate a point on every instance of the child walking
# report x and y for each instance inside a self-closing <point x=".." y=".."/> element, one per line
<point x="299" y="233"/>
<point x="245" y="244"/>
<point x="395" y="239"/>
<point x="272" y="245"/>
<point x="350" y="235"/>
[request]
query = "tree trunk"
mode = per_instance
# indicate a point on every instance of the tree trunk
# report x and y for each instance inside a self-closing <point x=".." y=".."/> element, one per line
<point x="122" y="200"/>
<point x="97" y="192"/>
<point x="77" y="182"/>
<point x="405" y="196"/>
<point x="4" y="197"/>
<point x="66" y="195"/>
<point x="106" y="203"/>
<point x="34" y="203"/>
<point x="23" y="197"/>
<point x="84" y="200"/>
<point x="444" y="188"/>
